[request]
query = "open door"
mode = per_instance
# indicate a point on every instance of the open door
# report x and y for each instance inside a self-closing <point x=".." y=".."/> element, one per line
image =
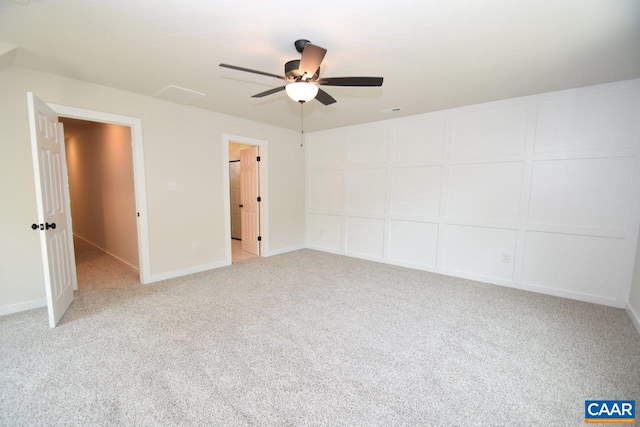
<point x="234" y="199"/>
<point x="54" y="216"/>
<point x="250" y="200"/>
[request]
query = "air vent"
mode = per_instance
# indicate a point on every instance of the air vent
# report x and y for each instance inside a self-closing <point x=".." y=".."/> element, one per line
<point x="179" y="94"/>
<point x="393" y="110"/>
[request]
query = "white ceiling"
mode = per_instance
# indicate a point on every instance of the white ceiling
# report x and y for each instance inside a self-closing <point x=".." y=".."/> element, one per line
<point x="432" y="54"/>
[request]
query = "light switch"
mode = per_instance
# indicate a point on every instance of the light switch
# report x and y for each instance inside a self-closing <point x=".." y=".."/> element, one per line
<point x="172" y="186"/>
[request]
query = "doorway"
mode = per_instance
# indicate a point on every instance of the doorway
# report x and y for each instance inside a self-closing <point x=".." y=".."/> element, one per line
<point x="246" y="197"/>
<point x="53" y="198"/>
<point x="103" y="206"/>
<point x="136" y="162"/>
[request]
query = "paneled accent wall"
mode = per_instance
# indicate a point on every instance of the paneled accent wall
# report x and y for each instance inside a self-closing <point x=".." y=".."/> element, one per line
<point x="540" y="193"/>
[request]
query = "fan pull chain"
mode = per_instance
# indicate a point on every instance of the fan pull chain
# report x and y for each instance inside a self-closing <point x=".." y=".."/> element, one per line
<point x="301" y="122"/>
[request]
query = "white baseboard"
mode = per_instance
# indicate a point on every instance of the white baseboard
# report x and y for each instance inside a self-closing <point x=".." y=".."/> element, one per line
<point x="635" y="319"/>
<point x="484" y="279"/>
<point x="285" y="250"/>
<point x="330" y="251"/>
<point x="23" y="306"/>
<point x="136" y="269"/>
<point x="186" y="271"/>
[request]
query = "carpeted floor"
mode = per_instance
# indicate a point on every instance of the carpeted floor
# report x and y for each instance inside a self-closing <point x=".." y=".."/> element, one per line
<point x="96" y="269"/>
<point x="309" y="338"/>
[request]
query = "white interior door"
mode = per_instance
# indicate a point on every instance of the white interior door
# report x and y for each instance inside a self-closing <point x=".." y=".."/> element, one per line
<point x="234" y="199"/>
<point x="54" y="217"/>
<point x="249" y="194"/>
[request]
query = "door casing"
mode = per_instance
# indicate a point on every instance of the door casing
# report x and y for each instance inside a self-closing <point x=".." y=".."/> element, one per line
<point x="138" y="173"/>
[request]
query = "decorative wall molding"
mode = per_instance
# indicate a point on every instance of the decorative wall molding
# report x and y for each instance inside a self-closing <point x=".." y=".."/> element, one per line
<point x="539" y="193"/>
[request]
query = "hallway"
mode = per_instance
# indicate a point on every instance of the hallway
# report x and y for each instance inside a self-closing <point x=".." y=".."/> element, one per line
<point x="96" y="269"/>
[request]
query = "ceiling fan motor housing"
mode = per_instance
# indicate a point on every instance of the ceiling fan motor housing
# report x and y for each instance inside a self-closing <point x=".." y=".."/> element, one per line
<point x="292" y="71"/>
<point x="300" y="44"/>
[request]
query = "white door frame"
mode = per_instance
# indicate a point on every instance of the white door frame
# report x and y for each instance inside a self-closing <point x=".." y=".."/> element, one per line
<point x="140" y="186"/>
<point x="263" y="146"/>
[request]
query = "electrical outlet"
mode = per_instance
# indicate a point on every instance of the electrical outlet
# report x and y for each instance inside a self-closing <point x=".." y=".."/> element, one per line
<point x="506" y="258"/>
<point x="195" y="247"/>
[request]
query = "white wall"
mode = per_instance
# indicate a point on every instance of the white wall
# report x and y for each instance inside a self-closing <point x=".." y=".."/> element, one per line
<point x="181" y="144"/>
<point x="101" y="186"/>
<point x="633" y="306"/>
<point x="540" y="193"/>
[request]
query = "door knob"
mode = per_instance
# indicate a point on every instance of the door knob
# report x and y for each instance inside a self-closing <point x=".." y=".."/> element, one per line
<point x="37" y="226"/>
<point x="241" y="206"/>
<point x="52" y="225"/>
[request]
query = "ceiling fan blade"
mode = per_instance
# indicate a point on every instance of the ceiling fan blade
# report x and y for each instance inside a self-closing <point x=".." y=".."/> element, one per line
<point x="312" y="56"/>
<point x="351" y="81"/>
<point x="248" y="70"/>
<point x="268" y="92"/>
<point x="325" y="98"/>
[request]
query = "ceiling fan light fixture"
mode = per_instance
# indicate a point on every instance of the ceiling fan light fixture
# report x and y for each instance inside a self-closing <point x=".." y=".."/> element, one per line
<point x="301" y="91"/>
<point x="303" y="76"/>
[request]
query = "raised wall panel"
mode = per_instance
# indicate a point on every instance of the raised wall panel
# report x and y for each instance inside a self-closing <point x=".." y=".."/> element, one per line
<point x="413" y="242"/>
<point x="587" y="192"/>
<point x="583" y="264"/>
<point x="366" y="191"/>
<point x="327" y="150"/>
<point x="493" y="132"/>
<point x="599" y="121"/>
<point x="416" y="191"/>
<point x="325" y="231"/>
<point x="479" y="251"/>
<point x="365" y="236"/>
<point x="462" y="190"/>
<point x="368" y="146"/>
<point x="327" y="190"/>
<point x="487" y="191"/>
<point x="418" y="141"/>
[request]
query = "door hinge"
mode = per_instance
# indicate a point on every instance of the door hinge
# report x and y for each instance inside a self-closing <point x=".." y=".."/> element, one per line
<point x="258" y="158"/>
<point x="259" y="198"/>
<point x="259" y="238"/>
<point x="138" y="214"/>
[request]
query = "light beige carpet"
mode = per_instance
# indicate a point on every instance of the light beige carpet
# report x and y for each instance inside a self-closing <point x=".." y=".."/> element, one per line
<point x="309" y="338"/>
<point x="97" y="269"/>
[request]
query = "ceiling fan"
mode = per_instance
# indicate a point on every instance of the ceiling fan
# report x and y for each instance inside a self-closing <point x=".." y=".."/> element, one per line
<point x="303" y="76"/>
